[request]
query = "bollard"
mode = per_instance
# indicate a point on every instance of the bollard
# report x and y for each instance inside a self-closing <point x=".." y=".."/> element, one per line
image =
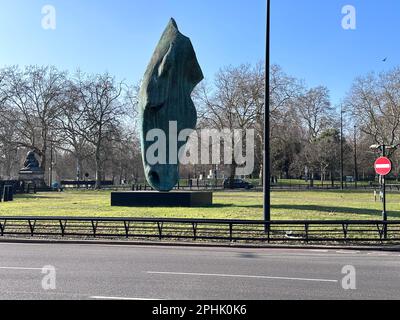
<point x="11" y="193"/>
<point x="7" y="193"/>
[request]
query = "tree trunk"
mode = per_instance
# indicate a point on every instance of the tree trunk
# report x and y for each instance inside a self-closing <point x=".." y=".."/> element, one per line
<point x="233" y="166"/>
<point x="80" y="164"/>
<point x="232" y="174"/>
<point x="312" y="180"/>
<point x="98" y="169"/>
<point x="43" y="159"/>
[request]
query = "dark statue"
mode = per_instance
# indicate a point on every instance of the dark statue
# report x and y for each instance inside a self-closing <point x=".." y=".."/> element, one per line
<point x="31" y="173"/>
<point x="31" y="163"/>
<point x="165" y="96"/>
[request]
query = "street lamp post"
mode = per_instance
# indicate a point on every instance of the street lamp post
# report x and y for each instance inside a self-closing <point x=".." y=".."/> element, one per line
<point x="355" y="157"/>
<point x="267" y="159"/>
<point x="341" y="150"/>
<point x="51" y="164"/>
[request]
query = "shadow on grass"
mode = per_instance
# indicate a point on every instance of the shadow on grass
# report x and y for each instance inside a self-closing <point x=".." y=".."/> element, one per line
<point x="35" y="197"/>
<point x="252" y="206"/>
<point x="221" y="205"/>
<point x="371" y="212"/>
<point x="229" y="205"/>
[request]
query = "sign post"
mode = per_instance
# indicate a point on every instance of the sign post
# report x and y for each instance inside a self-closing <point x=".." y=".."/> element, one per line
<point x="383" y="166"/>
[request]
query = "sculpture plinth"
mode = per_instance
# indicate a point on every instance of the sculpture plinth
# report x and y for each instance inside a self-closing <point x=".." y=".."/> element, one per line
<point x="35" y="177"/>
<point x="161" y="199"/>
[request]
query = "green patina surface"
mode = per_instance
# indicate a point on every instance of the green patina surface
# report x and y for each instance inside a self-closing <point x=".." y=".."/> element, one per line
<point x="165" y="97"/>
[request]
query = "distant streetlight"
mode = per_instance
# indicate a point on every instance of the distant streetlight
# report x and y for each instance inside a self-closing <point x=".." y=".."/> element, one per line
<point x="355" y="157"/>
<point x="341" y="149"/>
<point x="375" y="147"/>
<point x="383" y="148"/>
<point x="51" y="165"/>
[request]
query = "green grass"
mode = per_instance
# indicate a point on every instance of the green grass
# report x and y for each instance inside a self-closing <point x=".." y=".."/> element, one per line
<point x="227" y="205"/>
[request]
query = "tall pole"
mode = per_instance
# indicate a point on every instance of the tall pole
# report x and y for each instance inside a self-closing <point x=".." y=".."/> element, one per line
<point x="78" y="170"/>
<point x="341" y="149"/>
<point x="267" y="159"/>
<point x="355" y="157"/>
<point x="51" y="164"/>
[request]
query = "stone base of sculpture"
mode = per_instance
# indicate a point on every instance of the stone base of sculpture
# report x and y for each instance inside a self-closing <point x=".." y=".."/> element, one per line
<point x="162" y="199"/>
<point x="35" y="177"/>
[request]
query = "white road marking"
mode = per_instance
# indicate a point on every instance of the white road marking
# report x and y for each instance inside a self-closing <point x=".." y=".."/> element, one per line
<point x="347" y="252"/>
<point x="121" y="298"/>
<point x="380" y="254"/>
<point x="22" y="244"/>
<point x="51" y="293"/>
<point x="285" y="255"/>
<point x="19" y="268"/>
<point x="239" y="276"/>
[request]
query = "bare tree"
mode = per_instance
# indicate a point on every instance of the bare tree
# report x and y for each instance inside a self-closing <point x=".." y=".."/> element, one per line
<point x="374" y="102"/>
<point x="34" y="99"/>
<point x="284" y="125"/>
<point x="315" y="112"/>
<point x="233" y="104"/>
<point x="73" y="128"/>
<point x="102" y="108"/>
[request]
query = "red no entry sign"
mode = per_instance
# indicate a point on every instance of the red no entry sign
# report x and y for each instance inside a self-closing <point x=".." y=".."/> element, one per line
<point x="383" y="166"/>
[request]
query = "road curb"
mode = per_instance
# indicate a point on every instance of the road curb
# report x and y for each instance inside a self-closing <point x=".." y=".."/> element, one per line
<point x="388" y="248"/>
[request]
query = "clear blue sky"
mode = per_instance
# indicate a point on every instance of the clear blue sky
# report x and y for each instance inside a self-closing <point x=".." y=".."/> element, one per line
<point x="119" y="36"/>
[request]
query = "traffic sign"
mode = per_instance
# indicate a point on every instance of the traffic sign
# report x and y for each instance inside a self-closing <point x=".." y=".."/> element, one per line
<point x="383" y="166"/>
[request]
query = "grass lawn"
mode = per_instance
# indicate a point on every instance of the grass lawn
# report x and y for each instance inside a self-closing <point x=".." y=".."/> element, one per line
<point x="227" y="205"/>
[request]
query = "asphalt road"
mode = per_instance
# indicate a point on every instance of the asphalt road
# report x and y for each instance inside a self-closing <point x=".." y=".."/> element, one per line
<point x="139" y="272"/>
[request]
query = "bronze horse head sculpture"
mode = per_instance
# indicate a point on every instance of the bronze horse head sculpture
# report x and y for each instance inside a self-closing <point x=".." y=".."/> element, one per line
<point x="165" y="98"/>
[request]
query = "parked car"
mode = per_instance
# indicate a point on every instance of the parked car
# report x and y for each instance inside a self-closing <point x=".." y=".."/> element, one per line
<point x="237" y="184"/>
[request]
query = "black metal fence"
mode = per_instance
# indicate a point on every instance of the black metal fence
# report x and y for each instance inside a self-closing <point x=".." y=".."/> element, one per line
<point x="13" y="187"/>
<point x="202" y="229"/>
<point x="257" y="188"/>
<point x="390" y="187"/>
